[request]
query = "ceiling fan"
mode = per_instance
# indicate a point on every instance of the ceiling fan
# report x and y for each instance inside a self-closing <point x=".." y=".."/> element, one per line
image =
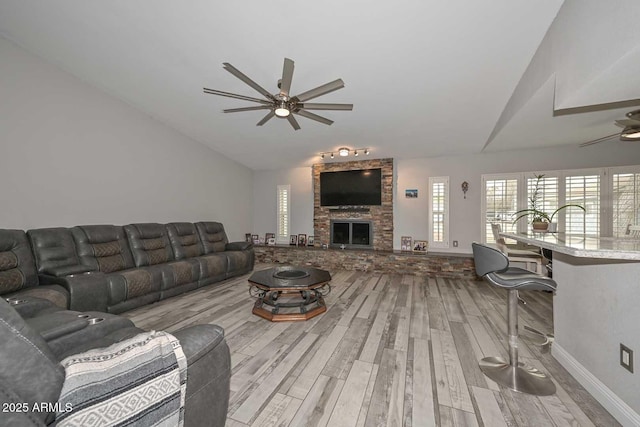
<point x="282" y="104"/>
<point x="630" y="130"/>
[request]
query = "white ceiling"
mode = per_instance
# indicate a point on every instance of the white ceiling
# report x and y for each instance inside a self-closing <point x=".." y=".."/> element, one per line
<point x="427" y="78"/>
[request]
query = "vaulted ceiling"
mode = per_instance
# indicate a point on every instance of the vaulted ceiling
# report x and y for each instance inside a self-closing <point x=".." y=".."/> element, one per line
<point x="427" y="78"/>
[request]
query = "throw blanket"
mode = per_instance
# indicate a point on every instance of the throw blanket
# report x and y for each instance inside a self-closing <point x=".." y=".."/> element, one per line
<point x="141" y="381"/>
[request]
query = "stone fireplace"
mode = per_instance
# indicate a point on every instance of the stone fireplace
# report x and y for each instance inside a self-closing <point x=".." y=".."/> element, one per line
<point x="379" y="218"/>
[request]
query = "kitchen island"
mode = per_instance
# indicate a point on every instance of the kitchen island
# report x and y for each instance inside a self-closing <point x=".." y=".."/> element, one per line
<point x="596" y="309"/>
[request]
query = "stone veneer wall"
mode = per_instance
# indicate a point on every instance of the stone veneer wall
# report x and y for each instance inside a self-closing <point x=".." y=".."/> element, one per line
<point x="380" y="216"/>
<point x="387" y="262"/>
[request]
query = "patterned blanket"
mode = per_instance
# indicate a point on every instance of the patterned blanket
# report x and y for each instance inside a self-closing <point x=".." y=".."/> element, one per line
<point x="141" y="381"/>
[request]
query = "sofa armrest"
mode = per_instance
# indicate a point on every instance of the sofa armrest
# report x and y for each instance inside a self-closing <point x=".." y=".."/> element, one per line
<point x="209" y="373"/>
<point x="238" y="246"/>
<point x="88" y="291"/>
<point x="66" y="270"/>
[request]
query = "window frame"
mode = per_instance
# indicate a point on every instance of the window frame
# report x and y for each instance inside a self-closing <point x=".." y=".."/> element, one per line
<point x="282" y="236"/>
<point x="444" y="244"/>
<point x="605" y="213"/>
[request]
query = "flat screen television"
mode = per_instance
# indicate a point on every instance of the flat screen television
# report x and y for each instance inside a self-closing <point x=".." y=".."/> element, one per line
<point x="361" y="187"/>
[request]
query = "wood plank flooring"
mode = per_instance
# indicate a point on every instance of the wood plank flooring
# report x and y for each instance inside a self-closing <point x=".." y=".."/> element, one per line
<point x="391" y="350"/>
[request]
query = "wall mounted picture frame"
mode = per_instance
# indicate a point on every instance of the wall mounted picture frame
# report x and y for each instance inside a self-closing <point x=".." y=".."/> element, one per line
<point x="405" y="244"/>
<point x="255" y="239"/>
<point x="302" y="240"/>
<point x="271" y="241"/>
<point x="247" y="238"/>
<point x="311" y="240"/>
<point x="411" y="193"/>
<point x="267" y="236"/>
<point x="293" y="239"/>
<point x="420" y="246"/>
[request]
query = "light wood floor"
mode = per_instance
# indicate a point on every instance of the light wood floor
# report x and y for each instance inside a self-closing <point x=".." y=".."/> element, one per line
<point x="391" y="350"/>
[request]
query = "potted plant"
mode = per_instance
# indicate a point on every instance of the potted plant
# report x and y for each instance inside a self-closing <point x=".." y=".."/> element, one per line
<point x="540" y="219"/>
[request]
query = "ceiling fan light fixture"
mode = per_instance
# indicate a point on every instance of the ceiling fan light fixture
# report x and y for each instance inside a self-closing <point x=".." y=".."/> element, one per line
<point x="344" y="152"/>
<point x="630" y="133"/>
<point x="282" y="110"/>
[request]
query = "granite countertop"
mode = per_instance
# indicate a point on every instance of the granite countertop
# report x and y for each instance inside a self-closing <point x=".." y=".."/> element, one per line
<point x="581" y="245"/>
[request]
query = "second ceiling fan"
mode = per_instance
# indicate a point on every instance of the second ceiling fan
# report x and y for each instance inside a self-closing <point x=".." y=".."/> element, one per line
<point x="282" y="104"/>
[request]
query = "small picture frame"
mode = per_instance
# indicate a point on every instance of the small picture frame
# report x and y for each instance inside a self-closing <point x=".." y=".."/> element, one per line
<point x="311" y="240"/>
<point x="411" y="193"/>
<point x="302" y="240"/>
<point x="405" y="244"/>
<point x="248" y="238"/>
<point x="267" y="236"/>
<point x="271" y="241"/>
<point x="256" y="239"/>
<point x="420" y="246"/>
<point x="293" y="239"/>
<point x="262" y="241"/>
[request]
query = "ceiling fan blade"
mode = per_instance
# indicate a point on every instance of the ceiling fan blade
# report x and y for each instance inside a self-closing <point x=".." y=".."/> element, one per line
<point x="316" y="106"/>
<point x="321" y="90"/>
<point x="287" y="77"/>
<point x="630" y="133"/>
<point x="597" y="141"/>
<point x="293" y="121"/>
<point x="239" y="74"/>
<point x="234" y="95"/>
<point x="315" y="117"/>
<point x="238" y="110"/>
<point x="624" y="123"/>
<point x="266" y="118"/>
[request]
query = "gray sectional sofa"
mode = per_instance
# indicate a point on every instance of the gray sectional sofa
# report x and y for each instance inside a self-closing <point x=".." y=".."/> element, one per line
<point x="117" y="268"/>
<point x="63" y="288"/>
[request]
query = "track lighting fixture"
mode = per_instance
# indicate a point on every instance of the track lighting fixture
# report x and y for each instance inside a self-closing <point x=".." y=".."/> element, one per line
<point x="344" y="152"/>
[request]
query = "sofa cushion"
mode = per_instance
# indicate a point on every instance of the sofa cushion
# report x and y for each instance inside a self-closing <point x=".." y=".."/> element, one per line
<point x="149" y="244"/>
<point x="17" y="267"/>
<point x="102" y="247"/>
<point x="53" y="249"/>
<point x="212" y="235"/>
<point x="184" y="240"/>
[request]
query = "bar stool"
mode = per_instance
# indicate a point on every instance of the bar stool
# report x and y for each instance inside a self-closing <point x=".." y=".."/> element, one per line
<point x="493" y="265"/>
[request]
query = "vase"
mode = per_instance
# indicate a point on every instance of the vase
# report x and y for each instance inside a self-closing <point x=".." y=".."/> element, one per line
<point x="540" y="226"/>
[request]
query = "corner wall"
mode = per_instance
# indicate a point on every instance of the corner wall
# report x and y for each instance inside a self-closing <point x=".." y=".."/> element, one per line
<point x="71" y="154"/>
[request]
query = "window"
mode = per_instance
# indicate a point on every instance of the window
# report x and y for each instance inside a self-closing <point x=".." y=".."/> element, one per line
<point x="500" y="203"/>
<point x="611" y="197"/>
<point x="439" y="212"/>
<point x="284" y="213"/>
<point x="626" y="201"/>
<point x="583" y="190"/>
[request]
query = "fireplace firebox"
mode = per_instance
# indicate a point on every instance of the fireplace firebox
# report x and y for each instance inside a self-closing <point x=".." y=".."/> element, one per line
<point x="351" y="233"/>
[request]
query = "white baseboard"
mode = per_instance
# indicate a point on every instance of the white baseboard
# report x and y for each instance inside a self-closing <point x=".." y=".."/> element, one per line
<point x="603" y="394"/>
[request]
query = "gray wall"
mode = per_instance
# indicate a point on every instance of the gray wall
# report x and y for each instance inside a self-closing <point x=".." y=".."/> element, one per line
<point x="71" y="154"/>
<point x="410" y="215"/>
<point x="265" y="186"/>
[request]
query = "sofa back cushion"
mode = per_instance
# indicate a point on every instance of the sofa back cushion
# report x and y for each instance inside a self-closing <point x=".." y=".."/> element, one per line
<point x="29" y="372"/>
<point x="149" y="244"/>
<point x="17" y="268"/>
<point x="102" y="247"/>
<point x="212" y="235"/>
<point x="184" y="240"/>
<point x="53" y="248"/>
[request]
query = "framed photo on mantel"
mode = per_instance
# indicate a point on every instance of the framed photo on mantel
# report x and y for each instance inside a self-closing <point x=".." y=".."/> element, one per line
<point x="405" y="243"/>
<point x="420" y="246"/>
<point x="293" y="239"/>
<point x="302" y="240"/>
<point x="311" y="240"/>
